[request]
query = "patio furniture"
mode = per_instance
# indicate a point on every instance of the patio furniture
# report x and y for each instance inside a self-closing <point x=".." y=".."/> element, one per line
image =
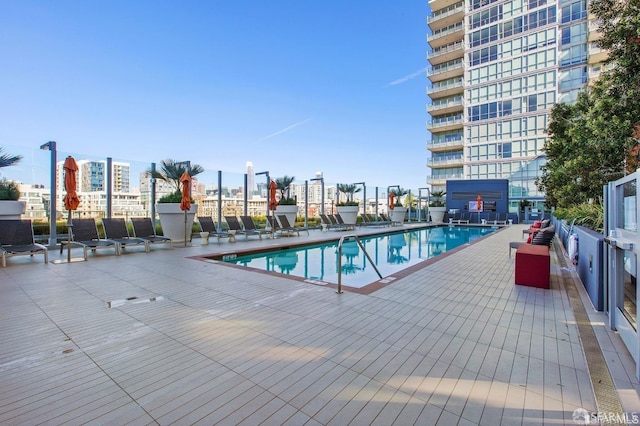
<point x="250" y="225"/>
<point x="287" y="227"/>
<point x="533" y="266"/>
<point x="143" y="228"/>
<point x="115" y="229"/>
<point x="16" y="239"/>
<point x="234" y="225"/>
<point x="85" y="234"/>
<point x="208" y="225"/>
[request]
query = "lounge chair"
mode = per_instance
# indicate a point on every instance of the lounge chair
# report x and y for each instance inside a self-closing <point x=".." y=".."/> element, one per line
<point x="250" y="225"/>
<point x="369" y="220"/>
<point x="388" y="219"/>
<point x="544" y="237"/>
<point x="465" y="217"/>
<point x="16" y="239"/>
<point x="85" y="234"/>
<point x="331" y="224"/>
<point x="208" y="225"/>
<point x="501" y="219"/>
<point x="287" y="227"/>
<point x="234" y="225"/>
<point x="115" y="229"/>
<point x="379" y="220"/>
<point x="143" y="228"/>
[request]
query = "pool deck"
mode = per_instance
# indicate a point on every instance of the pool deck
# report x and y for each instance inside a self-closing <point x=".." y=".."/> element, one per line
<point x="454" y="343"/>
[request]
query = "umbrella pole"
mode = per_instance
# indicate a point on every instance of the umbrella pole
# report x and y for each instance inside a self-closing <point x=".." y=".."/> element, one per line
<point x="185" y="228"/>
<point x="69" y="229"/>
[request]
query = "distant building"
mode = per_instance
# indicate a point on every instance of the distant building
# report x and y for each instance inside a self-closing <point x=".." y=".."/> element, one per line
<point x="251" y="182"/>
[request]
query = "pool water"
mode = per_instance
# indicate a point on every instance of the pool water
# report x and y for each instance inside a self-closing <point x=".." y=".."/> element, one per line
<point x="391" y="252"/>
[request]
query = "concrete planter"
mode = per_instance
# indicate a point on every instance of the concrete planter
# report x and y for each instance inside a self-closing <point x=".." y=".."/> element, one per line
<point x="398" y="214"/>
<point x="172" y="221"/>
<point x="291" y="212"/>
<point x="437" y="214"/>
<point x="349" y="214"/>
<point x="10" y="209"/>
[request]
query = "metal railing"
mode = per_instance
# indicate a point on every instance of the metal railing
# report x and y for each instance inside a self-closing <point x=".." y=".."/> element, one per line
<point x="355" y="237"/>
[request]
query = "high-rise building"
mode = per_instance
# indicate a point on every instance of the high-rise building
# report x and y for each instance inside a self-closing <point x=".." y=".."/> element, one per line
<point x="496" y="69"/>
<point x="251" y="183"/>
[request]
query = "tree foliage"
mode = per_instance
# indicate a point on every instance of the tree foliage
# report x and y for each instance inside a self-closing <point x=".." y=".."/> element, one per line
<point x="590" y="142"/>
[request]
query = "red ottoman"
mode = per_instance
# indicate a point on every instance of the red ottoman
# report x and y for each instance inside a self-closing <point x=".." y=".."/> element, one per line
<point x="533" y="265"/>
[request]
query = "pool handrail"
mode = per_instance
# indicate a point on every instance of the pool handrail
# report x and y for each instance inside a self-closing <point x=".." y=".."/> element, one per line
<point x="355" y="237"/>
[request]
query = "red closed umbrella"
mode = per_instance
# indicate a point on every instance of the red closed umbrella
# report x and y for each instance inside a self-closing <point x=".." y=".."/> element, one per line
<point x="391" y="200"/>
<point x="185" y="203"/>
<point x="71" y="200"/>
<point x="185" y="181"/>
<point x="273" y="203"/>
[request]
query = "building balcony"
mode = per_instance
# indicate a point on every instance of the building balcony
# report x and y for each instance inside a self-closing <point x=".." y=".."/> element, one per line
<point x="435" y="145"/>
<point x="447" y="161"/>
<point x="438" y="180"/>
<point x="446" y="106"/>
<point x="447" y="35"/>
<point x="446" y="53"/>
<point x="446" y="71"/>
<point x="445" y="124"/>
<point x="446" y="88"/>
<point x="596" y="55"/>
<point x="447" y="16"/>
<point x="436" y="5"/>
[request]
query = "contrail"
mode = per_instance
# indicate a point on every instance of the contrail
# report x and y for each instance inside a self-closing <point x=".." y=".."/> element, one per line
<point x="408" y="77"/>
<point x="286" y="129"/>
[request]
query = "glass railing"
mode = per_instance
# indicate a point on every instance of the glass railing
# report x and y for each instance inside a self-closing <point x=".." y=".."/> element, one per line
<point x="216" y="193"/>
<point x="447" y="11"/>
<point x="445" y="31"/>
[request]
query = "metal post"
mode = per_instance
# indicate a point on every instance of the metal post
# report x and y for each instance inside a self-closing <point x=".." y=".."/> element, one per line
<point x="268" y="182"/>
<point x="419" y="201"/>
<point x="306" y="203"/>
<point x="51" y="146"/>
<point x="219" y="200"/>
<point x="109" y="187"/>
<point x="246" y="194"/>
<point x="152" y="198"/>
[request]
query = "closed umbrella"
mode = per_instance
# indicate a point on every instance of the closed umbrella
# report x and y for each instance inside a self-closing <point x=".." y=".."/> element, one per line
<point x="391" y="200"/>
<point x="185" y="203"/>
<point x="273" y="203"/>
<point x="71" y="200"/>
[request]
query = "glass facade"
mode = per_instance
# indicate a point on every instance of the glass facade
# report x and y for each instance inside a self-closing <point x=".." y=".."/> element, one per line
<point x="520" y="58"/>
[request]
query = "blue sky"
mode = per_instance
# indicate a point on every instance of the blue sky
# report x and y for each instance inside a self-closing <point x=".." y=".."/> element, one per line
<point x="294" y="86"/>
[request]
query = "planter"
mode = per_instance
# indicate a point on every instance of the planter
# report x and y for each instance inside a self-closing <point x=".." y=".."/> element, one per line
<point x="10" y="209"/>
<point x="398" y="214"/>
<point x="291" y="212"/>
<point x="349" y="214"/>
<point x="172" y="221"/>
<point x="437" y="214"/>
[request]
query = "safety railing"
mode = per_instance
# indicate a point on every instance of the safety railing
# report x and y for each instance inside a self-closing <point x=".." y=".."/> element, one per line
<point x="357" y="240"/>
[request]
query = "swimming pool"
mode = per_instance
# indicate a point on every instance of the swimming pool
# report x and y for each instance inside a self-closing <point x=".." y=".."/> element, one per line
<point x="391" y="252"/>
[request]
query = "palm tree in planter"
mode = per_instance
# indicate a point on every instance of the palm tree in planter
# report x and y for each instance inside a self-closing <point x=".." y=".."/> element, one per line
<point x="348" y="209"/>
<point x="437" y="207"/>
<point x="398" y="212"/>
<point x="287" y="205"/>
<point x="172" y="219"/>
<point x="10" y="206"/>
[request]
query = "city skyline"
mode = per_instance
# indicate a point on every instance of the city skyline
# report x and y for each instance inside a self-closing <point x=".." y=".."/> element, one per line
<point x="298" y="88"/>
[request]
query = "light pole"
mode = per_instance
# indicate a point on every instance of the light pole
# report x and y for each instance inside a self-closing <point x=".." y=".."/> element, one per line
<point x="268" y="182"/>
<point x="364" y="196"/>
<point x="51" y="146"/>
<point x="419" y="200"/>
<point x="321" y="179"/>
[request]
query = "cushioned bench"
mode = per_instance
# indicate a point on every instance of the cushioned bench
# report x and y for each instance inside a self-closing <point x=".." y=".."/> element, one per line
<point x="533" y="265"/>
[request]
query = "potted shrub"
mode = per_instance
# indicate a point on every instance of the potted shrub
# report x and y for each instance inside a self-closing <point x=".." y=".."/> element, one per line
<point x="348" y="209"/>
<point x="172" y="219"/>
<point x="399" y="212"/>
<point x="10" y="205"/>
<point x="437" y="207"/>
<point x="287" y="206"/>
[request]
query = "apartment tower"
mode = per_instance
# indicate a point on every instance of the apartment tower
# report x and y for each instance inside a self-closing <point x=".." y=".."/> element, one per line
<point x="496" y="69"/>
